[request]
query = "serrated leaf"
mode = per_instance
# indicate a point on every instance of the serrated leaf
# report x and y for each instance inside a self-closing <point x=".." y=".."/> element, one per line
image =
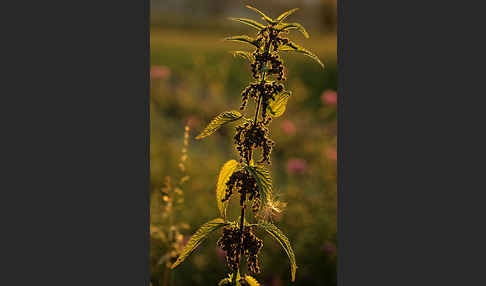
<point x="276" y="107"/>
<point x="224" y="175"/>
<point x="243" y="54"/>
<point x="243" y="39"/>
<point x="249" y="22"/>
<point x="251" y="281"/>
<point x="293" y="47"/>
<point x="264" y="182"/>
<point x="218" y="121"/>
<point x="264" y="17"/>
<point x="278" y="235"/>
<point x="197" y="238"/>
<point x="286" y="14"/>
<point x="293" y="26"/>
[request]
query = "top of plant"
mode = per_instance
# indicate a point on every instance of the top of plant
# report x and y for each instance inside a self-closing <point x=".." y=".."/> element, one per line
<point x="275" y="28"/>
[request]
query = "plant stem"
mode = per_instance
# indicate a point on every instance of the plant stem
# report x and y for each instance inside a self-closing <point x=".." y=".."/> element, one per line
<point x="248" y="160"/>
<point x="240" y="246"/>
<point x="258" y="108"/>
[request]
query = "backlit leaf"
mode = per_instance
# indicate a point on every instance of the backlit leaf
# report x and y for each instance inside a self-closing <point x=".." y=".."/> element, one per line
<point x="276" y="107"/>
<point x="286" y="14"/>
<point x="218" y="121"/>
<point x="243" y="54"/>
<point x="198" y="237"/>
<point x="293" y="26"/>
<point x="293" y="47"/>
<point x="251" y="281"/>
<point x="264" y="17"/>
<point x="224" y="175"/>
<point x="249" y="22"/>
<point x="264" y="182"/>
<point x="278" y="235"/>
<point x="243" y="39"/>
<point x="225" y="282"/>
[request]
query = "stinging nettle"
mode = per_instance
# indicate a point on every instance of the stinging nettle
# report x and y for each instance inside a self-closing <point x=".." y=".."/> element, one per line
<point x="250" y="179"/>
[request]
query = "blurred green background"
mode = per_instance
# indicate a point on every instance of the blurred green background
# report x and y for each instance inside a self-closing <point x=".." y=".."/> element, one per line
<point x="194" y="78"/>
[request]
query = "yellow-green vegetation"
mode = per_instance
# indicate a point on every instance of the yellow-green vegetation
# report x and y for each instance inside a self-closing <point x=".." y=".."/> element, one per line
<point x="194" y="79"/>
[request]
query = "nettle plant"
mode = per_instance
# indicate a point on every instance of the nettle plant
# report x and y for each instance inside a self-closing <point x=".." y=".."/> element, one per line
<point x="250" y="179"/>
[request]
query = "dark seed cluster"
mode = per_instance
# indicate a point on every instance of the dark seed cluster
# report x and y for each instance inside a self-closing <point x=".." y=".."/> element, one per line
<point x="250" y="248"/>
<point x="242" y="182"/>
<point x="249" y="136"/>
<point x="229" y="242"/>
<point x="249" y="91"/>
<point x="255" y="204"/>
<point x="267" y="62"/>
<point x="277" y="67"/>
<point x="269" y="40"/>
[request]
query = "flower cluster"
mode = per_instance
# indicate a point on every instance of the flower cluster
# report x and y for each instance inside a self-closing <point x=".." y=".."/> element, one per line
<point x="229" y="242"/>
<point x="251" y="246"/>
<point x="249" y="91"/>
<point x="242" y="182"/>
<point x="268" y="41"/>
<point x="249" y="136"/>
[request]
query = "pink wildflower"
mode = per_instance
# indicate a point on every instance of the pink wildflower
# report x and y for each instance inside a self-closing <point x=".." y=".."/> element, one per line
<point x="159" y="72"/>
<point x="296" y="166"/>
<point x="329" y="97"/>
<point x="331" y="153"/>
<point x="288" y="127"/>
<point x="329" y="248"/>
<point x="221" y="253"/>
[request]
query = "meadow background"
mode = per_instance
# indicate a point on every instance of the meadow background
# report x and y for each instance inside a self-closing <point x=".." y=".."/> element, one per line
<point x="194" y="78"/>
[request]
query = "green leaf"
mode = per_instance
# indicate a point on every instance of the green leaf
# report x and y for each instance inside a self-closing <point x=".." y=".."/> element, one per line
<point x="278" y="235"/>
<point x="198" y="237"/>
<point x="286" y="14"/>
<point x="264" y="182"/>
<point x="224" y="175"/>
<point x="249" y="22"/>
<point x="244" y="39"/>
<point x="251" y="281"/>
<point x="264" y="17"/>
<point x="293" y="47"/>
<point x="276" y="107"/>
<point x="243" y="54"/>
<point x="224" y="282"/>
<point x="293" y="26"/>
<point x="218" y="121"/>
